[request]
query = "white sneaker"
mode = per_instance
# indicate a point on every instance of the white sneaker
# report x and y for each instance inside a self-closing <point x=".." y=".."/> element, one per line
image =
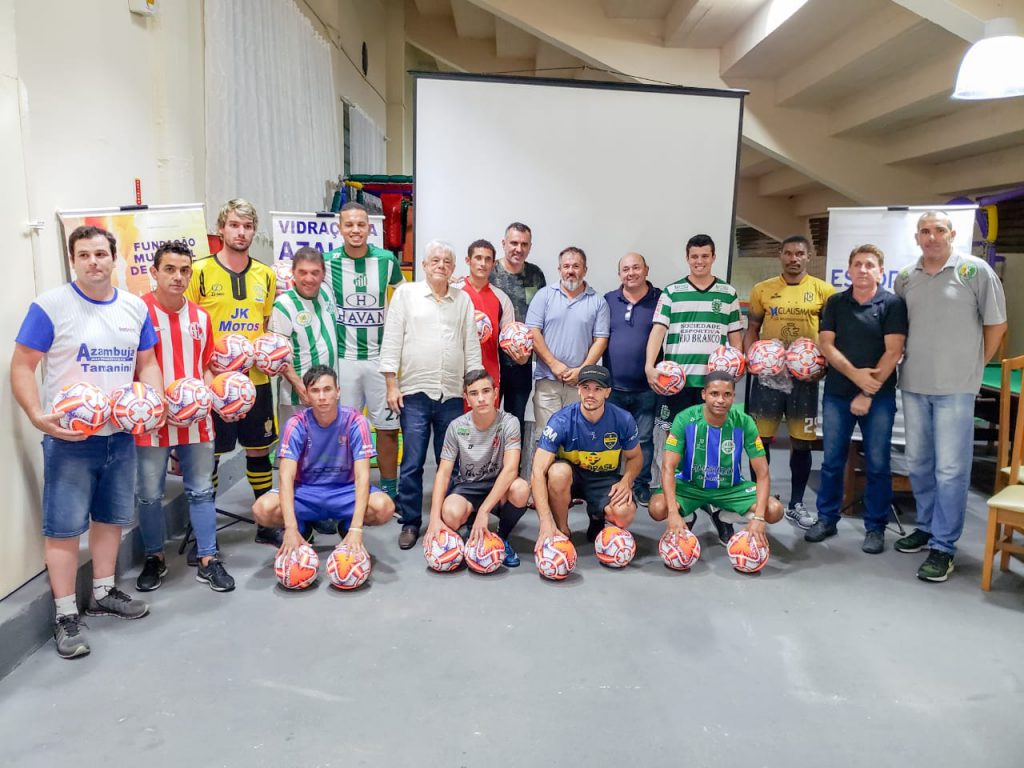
<point x="801" y="516"/>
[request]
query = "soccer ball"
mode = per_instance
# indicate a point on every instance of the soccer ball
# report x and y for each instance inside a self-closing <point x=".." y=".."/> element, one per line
<point x="804" y="360"/>
<point x="84" y="408"/>
<point x="488" y="555"/>
<point x="484" y="329"/>
<point x="615" y="547"/>
<point x="728" y="360"/>
<point x="234" y="394"/>
<point x="444" y="552"/>
<point x="299" y="569"/>
<point x="555" y="558"/>
<point x="348" y="568"/>
<point x="746" y="554"/>
<point x="232" y="352"/>
<point x="679" y="551"/>
<point x="188" y="401"/>
<point x="516" y="339"/>
<point x="671" y="377"/>
<point x="271" y="352"/>
<point x="136" y="409"/>
<point x="767" y="357"/>
<point x="283" y="273"/>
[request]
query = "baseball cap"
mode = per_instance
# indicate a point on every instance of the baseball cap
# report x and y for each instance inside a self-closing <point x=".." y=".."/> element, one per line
<point x="597" y="374"/>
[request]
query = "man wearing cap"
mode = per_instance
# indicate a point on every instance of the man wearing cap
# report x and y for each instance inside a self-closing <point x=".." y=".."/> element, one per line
<point x="578" y="457"/>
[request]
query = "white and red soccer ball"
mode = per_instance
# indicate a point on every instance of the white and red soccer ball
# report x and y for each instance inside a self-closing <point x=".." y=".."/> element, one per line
<point x="516" y="339"/>
<point x="298" y="569"/>
<point x="615" y="547"/>
<point x="444" y="552"/>
<point x="555" y="558"/>
<point x="234" y="394"/>
<point x="484" y="329"/>
<point x="188" y="401"/>
<point x="232" y="352"/>
<point x="348" y="568"/>
<point x="283" y="274"/>
<point x="804" y="360"/>
<point x="728" y="360"/>
<point x="136" y="408"/>
<point x="766" y="357"/>
<point x="487" y="555"/>
<point x="745" y="553"/>
<point x="671" y="376"/>
<point x="679" y="551"/>
<point x="271" y="353"/>
<point x="84" y="408"/>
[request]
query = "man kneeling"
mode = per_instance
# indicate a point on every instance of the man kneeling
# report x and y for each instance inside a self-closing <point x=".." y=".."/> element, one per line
<point x="702" y="463"/>
<point x="324" y="470"/>
<point x="485" y="444"/>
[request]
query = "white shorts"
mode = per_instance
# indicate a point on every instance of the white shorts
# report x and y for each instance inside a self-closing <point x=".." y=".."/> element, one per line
<point x="362" y="386"/>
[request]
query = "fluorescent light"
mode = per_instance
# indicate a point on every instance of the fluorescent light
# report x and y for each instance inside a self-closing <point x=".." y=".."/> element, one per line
<point x="993" y="68"/>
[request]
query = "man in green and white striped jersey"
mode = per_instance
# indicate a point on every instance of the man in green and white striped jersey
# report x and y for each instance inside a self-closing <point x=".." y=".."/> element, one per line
<point x="304" y="315"/>
<point x="360" y="275"/>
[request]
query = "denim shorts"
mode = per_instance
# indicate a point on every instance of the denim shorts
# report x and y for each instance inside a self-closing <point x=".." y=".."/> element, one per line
<point x="91" y="479"/>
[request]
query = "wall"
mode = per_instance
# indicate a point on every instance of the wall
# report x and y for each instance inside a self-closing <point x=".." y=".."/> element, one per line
<point x="1013" y="286"/>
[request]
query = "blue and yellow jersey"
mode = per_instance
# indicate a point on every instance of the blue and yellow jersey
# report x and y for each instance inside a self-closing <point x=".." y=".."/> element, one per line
<point x="594" y="447"/>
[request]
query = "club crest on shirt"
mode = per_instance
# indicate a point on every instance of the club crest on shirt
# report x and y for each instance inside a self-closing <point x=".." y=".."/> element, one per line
<point x="728" y="446"/>
<point x="966" y="272"/>
<point x="610" y="440"/>
<point x="195" y="330"/>
<point x="303" y="319"/>
<point x="259" y="293"/>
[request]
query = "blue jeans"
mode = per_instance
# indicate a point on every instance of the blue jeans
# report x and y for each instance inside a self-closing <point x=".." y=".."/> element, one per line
<point x="419" y="416"/>
<point x="940" y="443"/>
<point x="641" y="405"/>
<point x="196" y="462"/>
<point x="876" y="429"/>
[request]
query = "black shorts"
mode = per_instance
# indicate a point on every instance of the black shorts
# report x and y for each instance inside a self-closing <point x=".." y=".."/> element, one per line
<point x="769" y="406"/>
<point x="257" y="430"/>
<point x="593" y="487"/>
<point x="670" y="405"/>
<point x="474" y="491"/>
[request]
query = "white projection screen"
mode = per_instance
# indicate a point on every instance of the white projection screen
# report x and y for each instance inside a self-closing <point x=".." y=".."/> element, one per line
<point x="610" y="168"/>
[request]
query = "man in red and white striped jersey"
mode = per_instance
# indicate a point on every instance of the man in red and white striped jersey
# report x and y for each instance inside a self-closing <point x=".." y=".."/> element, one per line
<point x="183" y="349"/>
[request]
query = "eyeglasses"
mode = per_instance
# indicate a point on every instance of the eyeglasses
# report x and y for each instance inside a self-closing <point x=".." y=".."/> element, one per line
<point x="629" y="314"/>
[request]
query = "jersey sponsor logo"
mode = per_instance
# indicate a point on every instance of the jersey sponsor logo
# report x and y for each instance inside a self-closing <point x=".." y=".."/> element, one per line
<point x="360" y="318"/>
<point x="304" y="319"/>
<point x="195" y="330"/>
<point x="239" y="321"/>
<point x="728" y="446"/>
<point x="550" y="434"/>
<point x="361" y="301"/>
<point x="104" y="354"/>
<point x="259" y="293"/>
<point x="215" y="290"/>
<point x="610" y="440"/>
<point x="462" y="430"/>
<point x="671" y="439"/>
<point x="758" y="444"/>
<point x="750" y="489"/>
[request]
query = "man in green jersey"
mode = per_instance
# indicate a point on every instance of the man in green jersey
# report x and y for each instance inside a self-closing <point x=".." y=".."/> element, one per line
<point x="305" y="316"/>
<point x="360" y="275"/>
<point x="702" y="462"/>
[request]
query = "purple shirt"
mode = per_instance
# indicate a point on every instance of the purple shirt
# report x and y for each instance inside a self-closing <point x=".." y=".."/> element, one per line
<point x="327" y="455"/>
<point x="627" y="341"/>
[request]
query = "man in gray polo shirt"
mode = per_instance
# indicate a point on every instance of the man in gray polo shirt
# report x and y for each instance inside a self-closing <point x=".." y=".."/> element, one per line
<point x="570" y="324"/>
<point x="957" y="314"/>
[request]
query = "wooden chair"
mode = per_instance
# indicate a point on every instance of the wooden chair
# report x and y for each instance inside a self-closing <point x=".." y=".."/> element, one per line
<point x="1006" y="422"/>
<point x="1006" y="508"/>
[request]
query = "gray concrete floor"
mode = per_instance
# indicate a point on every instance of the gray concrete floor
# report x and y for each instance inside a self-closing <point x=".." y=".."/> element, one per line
<point x="829" y="656"/>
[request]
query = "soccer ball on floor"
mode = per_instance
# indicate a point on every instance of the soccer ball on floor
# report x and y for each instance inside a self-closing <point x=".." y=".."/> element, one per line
<point x="746" y="554"/>
<point x="232" y="352"/>
<point x="348" y="568"/>
<point x="488" y="555"/>
<point x="188" y="401"/>
<point x="136" y="409"/>
<point x="727" y="360"/>
<point x="234" y="394"/>
<point x="516" y="339"/>
<point x="679" y="551"/>
<point x="84" y="408"/>
<point x="766" y="356"/>
<point x="271" y="352"/>
<point x="615" y="547"/>
<point x="299" y="569"/>
<point x="804" y="360"/>
<point x="484" y="329"/>
<point x="444" y="552"/>
<point x="283" y="273"/>
<point x="555" y="558"/>
<point x="671" y="376"/>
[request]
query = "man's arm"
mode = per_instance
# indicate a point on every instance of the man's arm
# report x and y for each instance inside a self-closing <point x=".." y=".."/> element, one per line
<point x="540" y="347"/>
<point x="753" y="332"/>
<point x="442" y="478"/>
<point x="542" y="461"/>
<point x="674" y="522"/>
<point x="287" y="469"/>
<point x="597" y="348"/>
<point x="354" y="537"/>
<point x="654" y="344"/>
<point x="24" y="362"/>
<point x="470" y="339"/>
<point x="391" y="349"/>
<point x="509" y="472"/>
<point x="993" y="335"/>
<point x="759" y="465"/>
<point x="735" y="339"/>
<point x="865" y="379"/>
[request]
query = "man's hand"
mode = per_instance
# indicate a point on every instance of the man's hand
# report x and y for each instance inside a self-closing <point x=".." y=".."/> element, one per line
<point x="545" y="532"/>
<point x="652" y="380"/>
<point x="354" y="541"/>
<point x="860" y="405"/>
<point x="49" y="423"/>
<point x="620" y="493"/>
<point x="395" y="399"/>
<point x="479" y="530"/>
<point x="571" y="376"/>
<point x="290" y="542"/>
<point x="865" y="380"/>
<point x="674" y="524"/>
<point x="520" y="358"/>
<point x="756" y="529"/>
<point x="558" y="369"/>
<point x="433" y="529"/>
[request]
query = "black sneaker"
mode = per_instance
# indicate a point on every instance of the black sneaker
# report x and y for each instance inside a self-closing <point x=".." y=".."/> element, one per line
<point x="820" y="531"/>
<point x="214" y="574"/>
<point x="595" y="527"/>
<point x="725" y="531"/>
<point x="117" y="603"/>
<point x="874" y="543"/>
<point x="936" y="567"/>
<point x="642" y="495"/>
<point x="915" y="542"/>
<point x="267" y="535"/>
<point x="342" y="528"/>
<point x="152" y="576"/>
<point x="326" y="527"/>
<point x="68" y="636"/>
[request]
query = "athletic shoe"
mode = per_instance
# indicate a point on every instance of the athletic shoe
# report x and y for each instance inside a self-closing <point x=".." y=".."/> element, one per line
<point x="511" y="556"/>
<point x="800" y="515"/>
<point x="820" y="531"/>
<point x="214" y="574"/>
<point x="915" y="542"/>
<point x="68" y="635"/>
<point x="725" y="531"/>
<point x="267" y="535"/>
<point x="464" y="531"/>
<point x="342" y="528"/>
<point x="153" y="572"/>
<point x="874" y="543"/>
<point x="642" y="495"/>
<point x="117" y="603"/>
<point x="326" y="527"/>
<point x="936" y="567"/>
<point x="595" y="527"/>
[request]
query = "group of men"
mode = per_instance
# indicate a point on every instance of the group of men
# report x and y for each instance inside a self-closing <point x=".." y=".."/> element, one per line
<point x="409" y="353"/>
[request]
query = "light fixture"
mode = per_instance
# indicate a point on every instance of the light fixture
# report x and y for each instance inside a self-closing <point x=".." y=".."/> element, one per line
<point x="993" y="68"/>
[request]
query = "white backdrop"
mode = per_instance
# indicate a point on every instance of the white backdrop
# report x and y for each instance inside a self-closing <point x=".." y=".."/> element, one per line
<point x="605" y="168"/>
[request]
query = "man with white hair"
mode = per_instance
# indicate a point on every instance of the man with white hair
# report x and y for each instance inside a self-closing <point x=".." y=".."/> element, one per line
<point x="429" y="344"/>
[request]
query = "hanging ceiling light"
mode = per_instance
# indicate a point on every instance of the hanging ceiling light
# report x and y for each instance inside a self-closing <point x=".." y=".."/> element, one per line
<point x="993" y="68"/>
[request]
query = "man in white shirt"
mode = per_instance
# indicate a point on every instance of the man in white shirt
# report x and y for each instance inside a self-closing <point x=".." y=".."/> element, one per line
<point x="430" y="342"/>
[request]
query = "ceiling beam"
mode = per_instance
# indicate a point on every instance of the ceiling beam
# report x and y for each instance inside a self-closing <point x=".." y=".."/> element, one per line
<point x="784" y="182"/>
<point x="756" y="31"/>
<point x="994" y="170"/>
<point x="471" y="21"/>
<point x="981" y="124"/>
<point x="817" y="202"/>
<point x="680" y="20"/>
<point x="512" y="42"/>
<point x="436" y="36"/>
<point x="771" y="215"/>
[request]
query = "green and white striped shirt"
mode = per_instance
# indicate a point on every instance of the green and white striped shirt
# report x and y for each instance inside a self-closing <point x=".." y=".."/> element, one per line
<point x="309" y="323"/>
<point x="361" y="289"/>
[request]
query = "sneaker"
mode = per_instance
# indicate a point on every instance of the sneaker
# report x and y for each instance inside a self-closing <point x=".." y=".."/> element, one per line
<point x="214" y="574"/>
<point x="915" y="542"/>
<point x="326" y="527"/>
<point x="820" y="531"/>
<point x="67" y="634"/>
<point x="117" y="603"/>
<point x="725" y="531"/>
<point x="874" y="543"/>
<point x="511" y="556"/>
<point x="267" y="535"/>
<point x="801" y="516"/>
<point x="936" y="567"/>
<point x="595" y="527"/>
<point x="343" y="525"/>
<point x="642" y="495"/>
<point x="153" y="572"/>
